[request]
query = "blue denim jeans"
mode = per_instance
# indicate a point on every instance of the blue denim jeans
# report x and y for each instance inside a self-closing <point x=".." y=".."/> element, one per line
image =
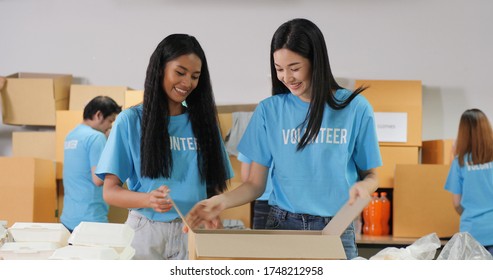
<point x="284" y="220"/>
<point x="490" y="249"/>
<point x="261" y="209"/>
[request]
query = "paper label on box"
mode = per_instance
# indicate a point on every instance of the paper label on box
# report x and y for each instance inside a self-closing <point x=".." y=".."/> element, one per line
<point x="391" y="126"/>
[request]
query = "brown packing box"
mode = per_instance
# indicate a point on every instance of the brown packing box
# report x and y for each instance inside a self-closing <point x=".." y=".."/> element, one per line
<point x="397" y="96"/>
<point x="80" y="95"/>
<point x="38" y="144"/>
<point x="421" y="205"/>
<point x="65" y="122"/>
<point x="27" y="190"/>
<point x="33" y="98"/>
<point x="437" y="151"/>
<point x="390" y="157"/>
<point x="133" y="97"/>
<point x="274" y="244"/>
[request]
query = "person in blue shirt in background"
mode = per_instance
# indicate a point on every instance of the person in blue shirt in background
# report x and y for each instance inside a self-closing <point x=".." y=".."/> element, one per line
<point x="169" y="145"/>
<point x="83" y="195"/>
<point x="319" y="139"/>
<point x="470" y="178"/>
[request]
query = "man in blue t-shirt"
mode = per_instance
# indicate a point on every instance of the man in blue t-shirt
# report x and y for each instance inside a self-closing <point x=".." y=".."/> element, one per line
<point x="83" y="195"/>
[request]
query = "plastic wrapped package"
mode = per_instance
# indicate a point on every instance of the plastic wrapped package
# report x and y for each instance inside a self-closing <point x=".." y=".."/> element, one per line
<point x="462" y="246"/>
<point x="424" y="248"/>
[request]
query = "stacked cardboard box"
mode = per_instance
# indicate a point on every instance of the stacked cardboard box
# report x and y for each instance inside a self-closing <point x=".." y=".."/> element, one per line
<point x="40" y="99"/>
<point x="33" y="98"/>
<point x="389" y="97"/>
<point x="80" y="95"/>
<point x="421" y="204"/>
<point x="437" y="151"/>
<point x="27" y="190"/>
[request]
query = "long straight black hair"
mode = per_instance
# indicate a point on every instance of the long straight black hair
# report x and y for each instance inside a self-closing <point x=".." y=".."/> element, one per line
<point x="305" y="38"/>
<point x="156" y="159"/>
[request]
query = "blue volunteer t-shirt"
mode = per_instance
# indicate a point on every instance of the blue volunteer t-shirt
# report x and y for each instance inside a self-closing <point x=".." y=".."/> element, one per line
<point x="475" y="184"/>
<point x="83" y="200"/>
<point x="121" y="157"/>
<point x="317" y="179"/>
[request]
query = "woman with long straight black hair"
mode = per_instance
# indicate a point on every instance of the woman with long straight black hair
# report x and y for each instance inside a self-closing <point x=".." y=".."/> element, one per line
<point x="318" y="138"/>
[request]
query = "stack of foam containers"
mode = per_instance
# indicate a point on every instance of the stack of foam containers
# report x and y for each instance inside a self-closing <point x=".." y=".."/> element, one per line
<point x="33" y="241"/>
<point x="98" y="241"/>
<point x="3" y="232"/>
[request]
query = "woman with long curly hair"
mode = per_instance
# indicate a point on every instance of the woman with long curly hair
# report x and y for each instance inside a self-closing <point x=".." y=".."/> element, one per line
<point x="169" y="146"/>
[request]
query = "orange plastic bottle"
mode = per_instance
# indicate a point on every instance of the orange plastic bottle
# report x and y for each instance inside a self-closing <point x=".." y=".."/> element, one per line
<point x="385" y="213"/>
<point x="375" y="215"/>
<point x="366" y="219"/>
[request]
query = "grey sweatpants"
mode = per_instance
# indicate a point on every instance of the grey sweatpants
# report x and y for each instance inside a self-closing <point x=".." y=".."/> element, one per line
<point x="157" y="240"/>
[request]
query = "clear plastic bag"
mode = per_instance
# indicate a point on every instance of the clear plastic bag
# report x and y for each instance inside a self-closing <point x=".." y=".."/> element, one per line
<point x="424" y="248"/>
<point x="462" y="246"/>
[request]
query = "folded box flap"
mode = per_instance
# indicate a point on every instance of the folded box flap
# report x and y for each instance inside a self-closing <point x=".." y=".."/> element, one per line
<point x="345" y="216"/>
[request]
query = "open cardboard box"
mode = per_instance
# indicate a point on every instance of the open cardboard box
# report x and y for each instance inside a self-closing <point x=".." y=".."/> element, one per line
<point x="274" y="244"/>
<point x="80" y="95"/>
<point x="33" y="98"/>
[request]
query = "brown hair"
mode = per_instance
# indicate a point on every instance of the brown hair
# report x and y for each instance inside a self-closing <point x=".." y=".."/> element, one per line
<point x="475" y="138"/>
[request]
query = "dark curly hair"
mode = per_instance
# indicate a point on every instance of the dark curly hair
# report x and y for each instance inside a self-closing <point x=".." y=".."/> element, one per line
<point x="156" y="160"/>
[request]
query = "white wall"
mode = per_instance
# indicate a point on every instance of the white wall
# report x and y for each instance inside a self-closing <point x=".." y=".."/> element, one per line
<point x="445" y="43"/>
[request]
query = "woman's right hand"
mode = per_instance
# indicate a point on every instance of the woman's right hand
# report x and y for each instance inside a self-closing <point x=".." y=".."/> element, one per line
<point x="159" y="201"/>
<point x="206" y="213"/>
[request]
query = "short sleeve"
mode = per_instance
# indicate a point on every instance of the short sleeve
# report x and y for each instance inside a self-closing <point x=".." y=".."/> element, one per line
<point x="254" y="143"/>
<point x="116" y="157"/>
<point x="454" y="178"/>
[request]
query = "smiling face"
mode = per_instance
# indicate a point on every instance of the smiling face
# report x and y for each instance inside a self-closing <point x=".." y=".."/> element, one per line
<point x="295" y="72"/>
<point x="181" y="77"/>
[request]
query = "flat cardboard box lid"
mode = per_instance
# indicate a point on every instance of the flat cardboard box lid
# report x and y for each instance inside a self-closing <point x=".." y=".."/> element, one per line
<point x="276" y="244"/>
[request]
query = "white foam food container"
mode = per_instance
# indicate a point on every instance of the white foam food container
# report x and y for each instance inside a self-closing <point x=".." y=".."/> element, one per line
<point x="40" y="232"/>
<point x="112" y="235"/>
<point x="27" y="250"/>
<point x="74" y="252"/>
<point x="3" y="235"/>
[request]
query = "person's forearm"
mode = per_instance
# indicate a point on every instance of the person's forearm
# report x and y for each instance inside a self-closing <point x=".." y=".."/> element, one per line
<point x="243" y="194"/>
<point x="117" y="196"/>
<point x="370" y="181"/>
<point x="459" y="209"/>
